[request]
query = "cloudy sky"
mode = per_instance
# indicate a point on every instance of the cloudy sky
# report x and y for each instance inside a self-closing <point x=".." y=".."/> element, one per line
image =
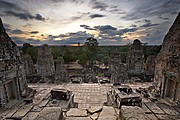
<point x="111" y="22"/>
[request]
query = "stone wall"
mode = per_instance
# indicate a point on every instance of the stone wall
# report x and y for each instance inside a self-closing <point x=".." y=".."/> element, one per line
<point x="12" y="75"/>
<point x="167" y="69"/>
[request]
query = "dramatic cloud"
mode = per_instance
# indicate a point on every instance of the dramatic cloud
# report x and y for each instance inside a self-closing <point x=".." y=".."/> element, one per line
<point x="25" y="16"/>
<point x="96" y="16"/>
<point x="9" y="29"/>
<point x="68" y="38"/>
<point x="71" y="1"/>
<point x="116" y="10"/>
<point x="98" y="5"/>
<point x="22" y="40"/>
<point x="163" y="18"/>
<point x="17" y="31"/>
<point x="34" y="32"/>
<point x="148" y="23"/>
<point x="109" y="34"/>
<point x="87" y="27"/>
<point x="9" y="6"/>
<point x="151" y="8"/>
<point x="105" y="27"/>
<point x="109" y="21"/>
<point x="133" y="25"/>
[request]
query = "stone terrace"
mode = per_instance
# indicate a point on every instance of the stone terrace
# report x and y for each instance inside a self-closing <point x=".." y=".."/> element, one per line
<point x="86" y="95"/>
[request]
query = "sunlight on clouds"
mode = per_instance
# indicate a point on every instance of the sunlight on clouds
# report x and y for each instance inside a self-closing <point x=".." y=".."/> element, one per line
<point x="132" y="36"/>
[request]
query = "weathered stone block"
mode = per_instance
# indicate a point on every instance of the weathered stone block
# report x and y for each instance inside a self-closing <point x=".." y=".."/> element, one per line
<point x="132" y="113"/>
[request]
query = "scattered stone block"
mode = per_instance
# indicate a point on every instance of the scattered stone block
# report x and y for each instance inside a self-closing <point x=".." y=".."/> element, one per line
<point x="93" y="110"/>
<point x="168" y="109"/>
<point x="60" y="94"/>
<point x="50" y="113"/>
<point x="94" y="116"/>
<point x="132" y="113"/>
<point x="76" y="112"/>
<point x="152" y="117"/>
<point x="154" y="108"/>
<point x="78" y="118"/>
<point x="108" y="113"/>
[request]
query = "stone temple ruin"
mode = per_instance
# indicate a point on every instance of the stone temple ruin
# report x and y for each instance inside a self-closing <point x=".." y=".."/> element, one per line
<point x="12" y="74"/>
<point x="61" y="72"/>
<point x="167" y="69"/>
<point x="45" y="63"/>
<point x="30" y="68"/>
<point x="46" y="69"/>
<point x="117" y="68"/>
<point x="135" y="60"/>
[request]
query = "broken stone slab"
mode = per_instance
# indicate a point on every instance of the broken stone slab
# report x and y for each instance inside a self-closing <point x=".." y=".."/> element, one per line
<point x="177" y="108"/>
<point x="94" y="109"/>
<point x="132" y="113"/>
<point x="94" y="116"/>
<point x="10" y="112"/>
<point x="108" y="113"/>
<point x="146" y="109"/>
<point x="22" y="111"/>
<point x="168" y="109"/>
<point x="152" y="117"/>
<point x="78" y="118"/>
<point x="154" y="108"/>
<point x="31" y="116"/>
<point x="50" y="113"/>
<point x="168" y="117"/>
<point x="36" y="109"/>
<point x="76" y="112"/>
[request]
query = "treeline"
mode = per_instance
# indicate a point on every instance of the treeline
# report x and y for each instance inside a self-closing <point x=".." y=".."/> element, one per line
<point x="85" y="54"/>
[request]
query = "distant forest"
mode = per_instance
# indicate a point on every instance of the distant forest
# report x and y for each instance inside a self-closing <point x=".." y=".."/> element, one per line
<point x="83" y="54"/>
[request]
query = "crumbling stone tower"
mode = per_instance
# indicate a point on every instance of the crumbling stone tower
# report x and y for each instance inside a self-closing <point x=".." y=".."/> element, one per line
<point x="45" y="63"/>
<point x="61" y="72"/>
<point x="150" y="67"/>
<point x="12" y="74"/>
<point x="167" y="68"/>
<point x="116" y="68"/>
<point x="29" y="66"/>
<point x="135" y="60"/>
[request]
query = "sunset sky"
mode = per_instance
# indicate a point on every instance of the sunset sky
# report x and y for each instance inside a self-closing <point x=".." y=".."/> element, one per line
<point x="67" y="22"/>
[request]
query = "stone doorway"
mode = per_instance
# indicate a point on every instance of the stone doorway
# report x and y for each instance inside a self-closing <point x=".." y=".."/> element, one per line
<point x="171" y="90"/>
<point x="11" y="91"/>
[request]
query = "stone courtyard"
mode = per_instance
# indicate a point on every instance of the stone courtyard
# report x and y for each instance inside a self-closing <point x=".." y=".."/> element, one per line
<point x="91" y="99"/>
<point x="86" y="95"/>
